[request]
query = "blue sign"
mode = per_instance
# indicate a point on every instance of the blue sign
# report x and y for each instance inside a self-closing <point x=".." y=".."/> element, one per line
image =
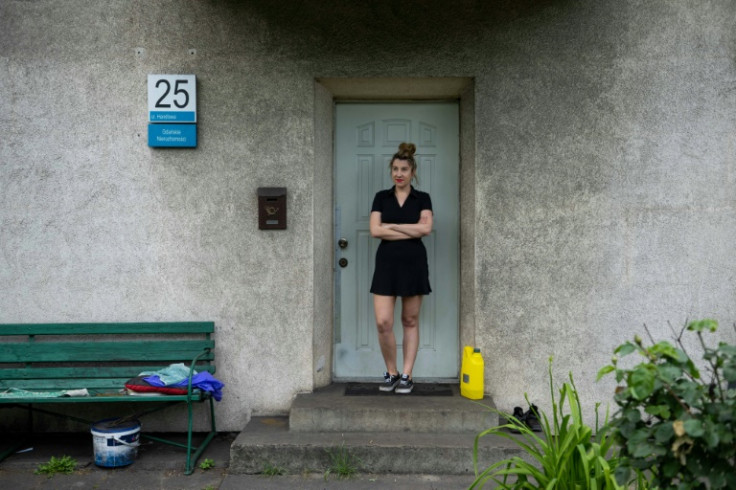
<point x="172" y="135"/>
<point x="173" y="116"/>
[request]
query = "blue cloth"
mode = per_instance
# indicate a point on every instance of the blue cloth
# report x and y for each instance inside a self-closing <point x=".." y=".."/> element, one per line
<point x="204" y="381"/>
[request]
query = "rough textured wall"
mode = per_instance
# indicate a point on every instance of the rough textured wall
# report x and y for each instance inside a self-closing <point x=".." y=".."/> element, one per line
<point x="604" y="145"/>
<point x="606" y="184"/>
<point x="98" y="226"/>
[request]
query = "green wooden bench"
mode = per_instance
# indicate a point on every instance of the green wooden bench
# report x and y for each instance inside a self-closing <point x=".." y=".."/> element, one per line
<point x="101" y="357"/>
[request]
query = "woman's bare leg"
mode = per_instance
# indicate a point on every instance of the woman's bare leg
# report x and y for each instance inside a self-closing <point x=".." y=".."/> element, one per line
<point x="383" y="306"/>
<point x="410" y="306"/>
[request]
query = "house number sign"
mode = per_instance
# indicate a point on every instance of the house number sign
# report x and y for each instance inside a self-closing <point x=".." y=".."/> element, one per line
<point x="172" y="111"/>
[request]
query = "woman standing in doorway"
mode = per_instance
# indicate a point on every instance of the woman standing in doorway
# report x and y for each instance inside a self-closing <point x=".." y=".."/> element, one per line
<point x="400" y="217"/>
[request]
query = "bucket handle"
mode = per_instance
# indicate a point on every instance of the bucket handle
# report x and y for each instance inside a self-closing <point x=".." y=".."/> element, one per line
<point x="135" y="444"/>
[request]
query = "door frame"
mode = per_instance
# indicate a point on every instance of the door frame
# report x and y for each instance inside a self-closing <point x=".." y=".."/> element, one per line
<point x="326" y="92"/>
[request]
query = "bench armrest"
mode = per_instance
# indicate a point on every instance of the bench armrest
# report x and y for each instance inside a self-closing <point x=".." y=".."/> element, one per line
<point x="205" y="352"/>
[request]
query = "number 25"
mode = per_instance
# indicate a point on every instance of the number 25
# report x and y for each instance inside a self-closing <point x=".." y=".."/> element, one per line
<point x="177" y="91"/>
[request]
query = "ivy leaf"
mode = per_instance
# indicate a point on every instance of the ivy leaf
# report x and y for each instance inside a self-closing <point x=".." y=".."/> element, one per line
<point x="632" y="415"/>
<point x="692" y="370"/>
<point x="701" y="325"/>
<point x="671" y="468"/>
<point x="605" y="370"/>
<point x="689" y="391"/>
<point x="711" y="438"/>
<point x="641" y="382"/>
<point x="664" y="349"/>
<point x="661" y="411"/>
<point x="644" y="449"/>
<point x="670" y="373"/>
<point x="730" y="373"/>
<point x="622" y="474"/>
<point x="625" y="349"/>
<point x="664" y="433"/>
<point x="694" y="428"/>
<point x="727" y="349"/>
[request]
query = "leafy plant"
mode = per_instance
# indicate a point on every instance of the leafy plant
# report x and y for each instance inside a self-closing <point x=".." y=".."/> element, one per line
<point x="65" y="465"/>
<point x="567" y="455"/>
<point x="272" y="470"/>
<point x="343" y="464"/>
<point x="674" y="426"/>
<point x="207" y="464"/>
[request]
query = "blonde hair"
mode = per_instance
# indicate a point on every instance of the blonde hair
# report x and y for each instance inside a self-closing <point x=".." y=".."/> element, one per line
<point x="406" y="152"/>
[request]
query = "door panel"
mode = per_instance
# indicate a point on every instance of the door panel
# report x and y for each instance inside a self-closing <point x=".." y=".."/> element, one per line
<point x="366" y="137"/>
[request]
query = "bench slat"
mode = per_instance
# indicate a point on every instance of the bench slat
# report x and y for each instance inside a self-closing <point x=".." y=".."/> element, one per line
<point x="196" y="396"/>
<point x="106" y="328"/>
<point x="106" y="384"/>
<point x="125" y="372"/>
<point x="163" y="350"/>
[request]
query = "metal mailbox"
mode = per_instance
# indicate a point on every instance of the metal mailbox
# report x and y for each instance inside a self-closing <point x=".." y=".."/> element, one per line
<point x="272" y="208"/>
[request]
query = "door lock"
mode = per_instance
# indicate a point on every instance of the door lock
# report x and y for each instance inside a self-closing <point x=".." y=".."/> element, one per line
<point x="343" y="262"/>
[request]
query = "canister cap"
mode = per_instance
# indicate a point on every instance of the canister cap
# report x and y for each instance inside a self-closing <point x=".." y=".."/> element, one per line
<point x="476" y="350"/>
<point x="115" y="425"/>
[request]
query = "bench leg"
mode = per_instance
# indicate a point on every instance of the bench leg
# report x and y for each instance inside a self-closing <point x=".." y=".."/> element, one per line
<point x="192" y="458"/>
<point x="193" y="453"/>
<point x="13" y="449"/>
<point x="24" y="437"/>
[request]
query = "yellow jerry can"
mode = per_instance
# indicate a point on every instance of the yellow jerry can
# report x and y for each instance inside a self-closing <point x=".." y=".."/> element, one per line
<point x="471" y="377"/>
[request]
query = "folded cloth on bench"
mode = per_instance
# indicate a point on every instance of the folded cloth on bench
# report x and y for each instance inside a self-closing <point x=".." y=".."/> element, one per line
<point x="20" y="393"/>
<point x="138" y="385"/>
<point x="177" y="375"/>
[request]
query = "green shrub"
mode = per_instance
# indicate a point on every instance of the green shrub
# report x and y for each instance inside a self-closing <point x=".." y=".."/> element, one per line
<point x="674" y="426"/>
<point x="566" y="455"/>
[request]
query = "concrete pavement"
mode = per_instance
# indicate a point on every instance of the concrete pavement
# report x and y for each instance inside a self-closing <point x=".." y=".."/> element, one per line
<point x="159" y="466"/>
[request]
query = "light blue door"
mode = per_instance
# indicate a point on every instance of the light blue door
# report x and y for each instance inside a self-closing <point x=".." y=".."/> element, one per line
<point x="366" y="136"/>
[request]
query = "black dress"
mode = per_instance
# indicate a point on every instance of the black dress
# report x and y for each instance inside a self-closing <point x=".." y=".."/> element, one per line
<point x="401" y="265"/>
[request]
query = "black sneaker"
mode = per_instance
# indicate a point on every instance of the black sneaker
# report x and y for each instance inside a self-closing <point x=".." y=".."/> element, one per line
<point x="520" y="420"/>
<point x="531" y="419"/>
<point x="389" y="382"/>
<point x="519" y="414"/>
<point x="405" y="385"/>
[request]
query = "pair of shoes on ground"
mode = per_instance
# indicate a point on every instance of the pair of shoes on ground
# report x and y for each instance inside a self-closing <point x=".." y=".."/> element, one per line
<point x="530" y="418"/>
<point x="402" y="383"/>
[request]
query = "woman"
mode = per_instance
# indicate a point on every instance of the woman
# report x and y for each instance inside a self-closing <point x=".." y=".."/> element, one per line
<point x="400" y="217"/>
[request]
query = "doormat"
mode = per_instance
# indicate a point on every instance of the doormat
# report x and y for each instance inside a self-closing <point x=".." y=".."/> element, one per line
<point x="420" y="389"/>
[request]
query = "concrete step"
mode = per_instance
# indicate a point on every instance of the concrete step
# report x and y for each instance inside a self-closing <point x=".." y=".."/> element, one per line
<point x="268" y="442"/>
<point x="330" y="410"/>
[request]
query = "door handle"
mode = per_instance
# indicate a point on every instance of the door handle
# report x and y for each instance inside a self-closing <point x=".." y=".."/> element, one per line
<point x="342" y="243"/>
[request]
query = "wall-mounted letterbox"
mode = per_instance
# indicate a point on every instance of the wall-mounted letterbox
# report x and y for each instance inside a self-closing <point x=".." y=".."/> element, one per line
<point x="272" y="208"/>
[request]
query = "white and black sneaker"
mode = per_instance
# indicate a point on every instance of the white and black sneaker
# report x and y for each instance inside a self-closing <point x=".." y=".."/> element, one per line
<point x="389" y="382"/>
<point x="405" y="385"/>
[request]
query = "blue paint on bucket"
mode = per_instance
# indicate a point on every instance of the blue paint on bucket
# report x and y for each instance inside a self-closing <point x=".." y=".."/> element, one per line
<point x="115" y="443"/>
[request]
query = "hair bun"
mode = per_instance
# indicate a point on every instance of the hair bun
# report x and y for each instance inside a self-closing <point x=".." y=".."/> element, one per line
<point x="407" y="149"/>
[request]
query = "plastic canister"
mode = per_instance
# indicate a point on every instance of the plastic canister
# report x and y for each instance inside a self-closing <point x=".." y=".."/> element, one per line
<point x="115" y="443"/>
<point x="471" y="381"/>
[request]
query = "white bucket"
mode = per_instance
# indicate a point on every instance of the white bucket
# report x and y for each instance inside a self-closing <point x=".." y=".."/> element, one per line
<point x="115" y="444"/>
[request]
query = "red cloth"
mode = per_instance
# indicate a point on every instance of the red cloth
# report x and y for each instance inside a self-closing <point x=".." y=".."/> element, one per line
<point x="139" y="385"/>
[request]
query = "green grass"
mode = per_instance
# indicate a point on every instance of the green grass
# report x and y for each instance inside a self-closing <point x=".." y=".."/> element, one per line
<point x="65" y="465"/>
<point x="207" y="464"/>
<point x="342" y="463"/>
<point x="272" y="470"/>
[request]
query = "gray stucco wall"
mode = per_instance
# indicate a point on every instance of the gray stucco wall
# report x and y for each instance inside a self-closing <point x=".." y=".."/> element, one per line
<point x="600" y="197"/>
